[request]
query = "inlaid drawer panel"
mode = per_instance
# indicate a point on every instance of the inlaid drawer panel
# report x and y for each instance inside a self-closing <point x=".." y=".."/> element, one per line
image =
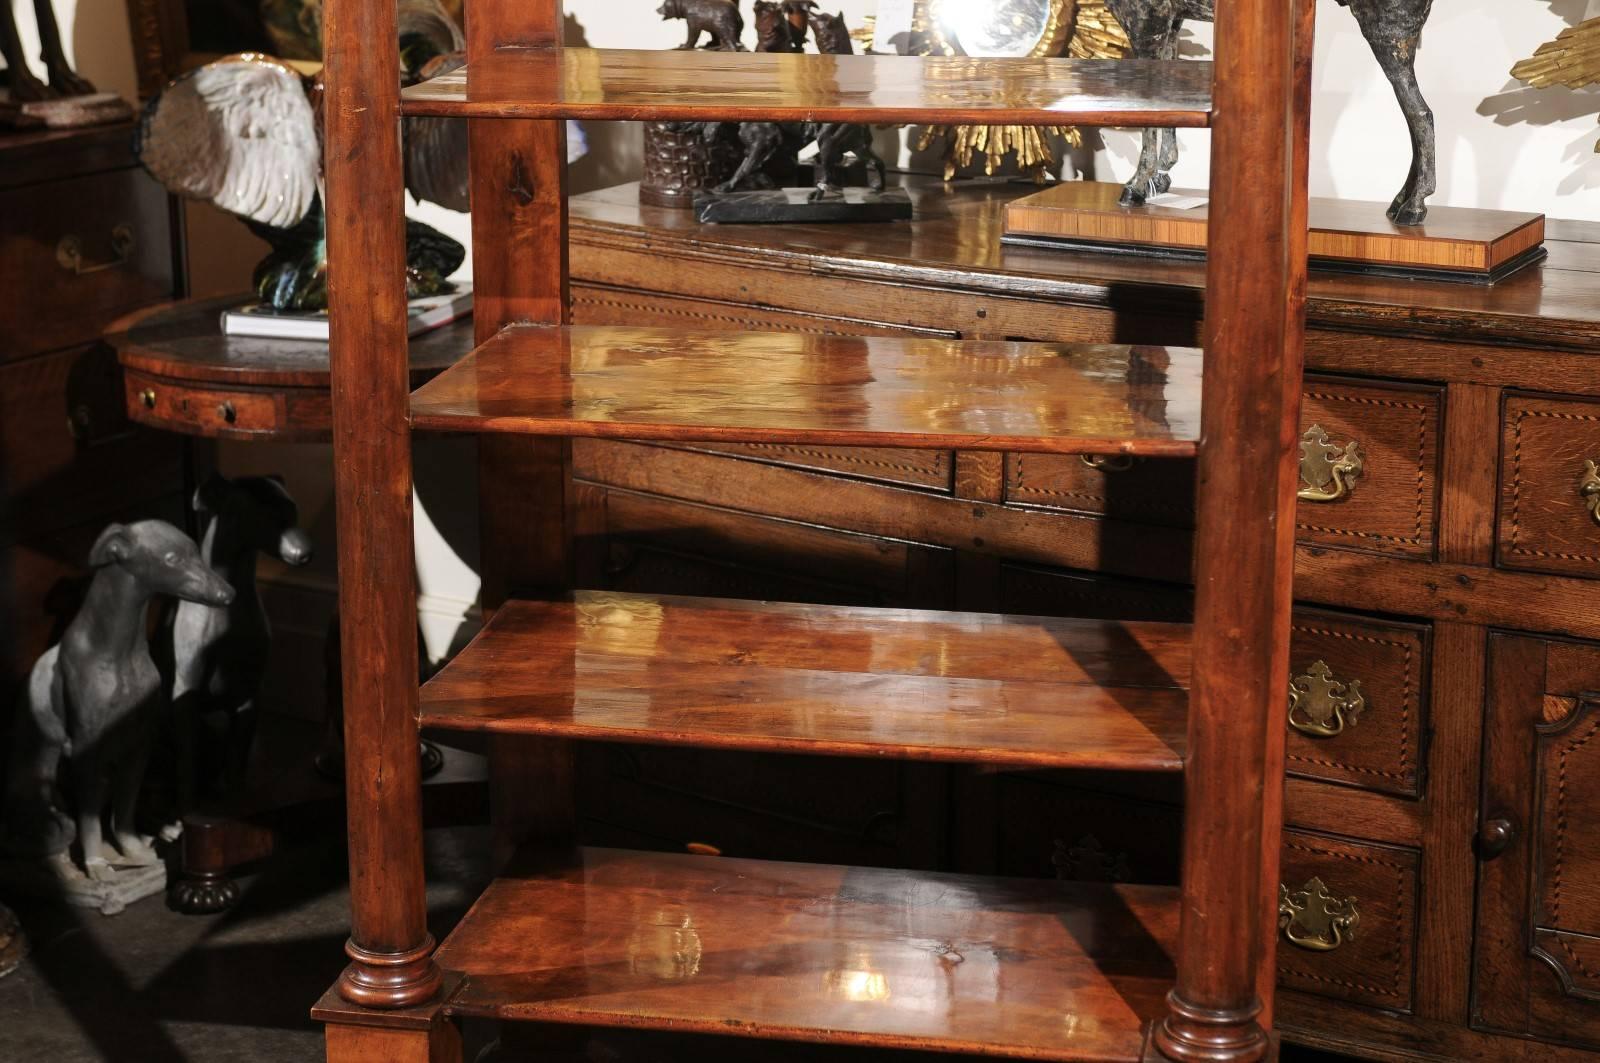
<point x="1348" y="919"/>
<point x="182" y="407"/>
<point x="1358" y="695"/>
<point x="1368" y="473"/>
<point x="1390" y="505"/>
<point x="927" y="469"/>
<point x="1550" y="486"/>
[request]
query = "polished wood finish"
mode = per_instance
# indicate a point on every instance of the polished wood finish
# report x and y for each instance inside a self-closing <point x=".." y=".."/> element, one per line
<point x="389" y="947"/>
<point x="183" y="375"/>
<point x="726" y="674"/>
<point x="994" y="967"/>
<point x="1455" y="238"/>
<point x="675" y="384"/>
<point x="628" y="85"/>
<point x="1112" y="542"/>
<point x="1246" y="479"/>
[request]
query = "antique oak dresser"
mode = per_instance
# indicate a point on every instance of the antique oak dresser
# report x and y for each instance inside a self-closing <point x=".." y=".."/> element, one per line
<point x="1442" y="771"/>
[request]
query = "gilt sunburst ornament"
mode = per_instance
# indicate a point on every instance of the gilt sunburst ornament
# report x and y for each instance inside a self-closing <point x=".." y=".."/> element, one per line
<point x="1084" y="29"/>
<point x="1572" y="59"/>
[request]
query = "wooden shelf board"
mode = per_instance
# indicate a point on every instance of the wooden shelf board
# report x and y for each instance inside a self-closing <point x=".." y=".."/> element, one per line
<point x="627" y="85"/>
<point x="840" y="681"/>
<point x="776" y="387"/>
<point x="1017" y="968"/>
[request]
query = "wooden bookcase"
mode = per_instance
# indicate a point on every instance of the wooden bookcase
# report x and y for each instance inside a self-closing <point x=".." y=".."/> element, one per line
<point x="775" y="950"/>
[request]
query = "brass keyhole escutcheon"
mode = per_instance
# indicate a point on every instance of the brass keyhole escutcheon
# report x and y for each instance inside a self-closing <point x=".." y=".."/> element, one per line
<point x="226" y="411"/>
<point x="1589" y="489"/>
<point x="1327" y="470"/>
<point x="147" y="398"/>
<point x="1320" y="705"/>
<point x="1314" y="919"/>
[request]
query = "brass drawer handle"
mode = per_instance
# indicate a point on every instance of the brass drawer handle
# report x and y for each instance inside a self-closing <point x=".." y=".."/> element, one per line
<point x="1311" y="918"/>
<point x="1320" y="706"/>
<point x="69" y="252"/>
<point x="147" y="398"/>
<point x="1589" y="489"/>
<point x="1327" y="470"/>
<point x="1109" y="462"/>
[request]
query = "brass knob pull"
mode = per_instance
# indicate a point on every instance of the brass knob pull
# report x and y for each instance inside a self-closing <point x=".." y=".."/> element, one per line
<point x="1314" y="919"/>
<point x="1320" y="705"/>
<point x="226" y="411"/>
<point x="1109" y="462"/>
<point x="1495" y="837"/>
<point x="69" y="252"/>
<point x="147" y="397"/>
<point x="1327" y="470"/>
<point x="1589" y="489"/>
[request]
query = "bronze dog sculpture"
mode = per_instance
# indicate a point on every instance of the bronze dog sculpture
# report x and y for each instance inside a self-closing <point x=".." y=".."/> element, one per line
<point x="61" y="80"/>
<point x="220" y="655"/>
<point x="1393" y="28"/>
<point x="96" y="698"/>
<point x="718" y="19"/>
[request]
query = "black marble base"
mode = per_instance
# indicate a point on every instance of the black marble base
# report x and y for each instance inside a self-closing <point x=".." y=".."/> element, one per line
<point x="788" y="205"/>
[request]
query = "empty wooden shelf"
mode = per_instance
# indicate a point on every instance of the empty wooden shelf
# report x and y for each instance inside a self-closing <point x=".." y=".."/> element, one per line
<point x="806" y="952"/>
<point x="911" y="684"/>
<point x="756" y="387"/>
<point x="669" y="85"/>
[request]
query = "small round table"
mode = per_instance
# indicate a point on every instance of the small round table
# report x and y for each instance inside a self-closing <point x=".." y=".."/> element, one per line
<point x="181" y="374"/>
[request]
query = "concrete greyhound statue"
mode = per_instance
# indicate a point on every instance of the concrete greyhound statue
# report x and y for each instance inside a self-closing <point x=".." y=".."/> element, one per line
<point x="220" y="655"/>
<point x="95" y="699"/>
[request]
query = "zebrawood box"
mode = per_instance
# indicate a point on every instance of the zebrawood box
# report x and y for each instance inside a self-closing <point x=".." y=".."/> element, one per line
<point x="1456" y="243"/>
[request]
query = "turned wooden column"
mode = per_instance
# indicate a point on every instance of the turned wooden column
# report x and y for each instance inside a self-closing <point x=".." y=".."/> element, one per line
<point x="1244" y="546"/>
<point x="390" y="948"/>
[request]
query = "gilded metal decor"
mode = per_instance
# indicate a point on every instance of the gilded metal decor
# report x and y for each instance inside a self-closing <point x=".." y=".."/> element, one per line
<point x="1084" y="29"/>
<point x="1572" y="59"/>
<point x="1327" y="470"/>
<point x="1320" y="706"/>
<point x="1589" y="489"/>
<point x="1312" y="918"/>
<point x="1109" y="462"/>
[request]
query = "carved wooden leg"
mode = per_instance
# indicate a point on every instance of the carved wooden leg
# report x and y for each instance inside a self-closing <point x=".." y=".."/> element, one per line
<point x="212" y="847"/>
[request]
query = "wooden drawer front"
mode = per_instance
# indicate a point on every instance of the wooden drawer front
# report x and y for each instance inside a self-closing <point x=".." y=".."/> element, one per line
<point x="914" y="468"/>
<point x="67" y="450"/>
<point x="644" y="543"/>
<point x="759" y="805"/>
<point x="203" y="411"/>
<point x="1374" y="964"/>
<point x="1029" y="591"/>
<point x="927" y="469"/>
<point x="1367" y="680"/>
<point x="1151" y="492"/>
<point x="1550" y="486"/>
<point x="1566" y="925"/>
<point x="1391" y="507"/>
<point x="119" y="224"/>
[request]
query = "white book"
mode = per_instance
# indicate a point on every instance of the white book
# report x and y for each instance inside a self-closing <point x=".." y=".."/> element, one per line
<point x="424" y="315"/>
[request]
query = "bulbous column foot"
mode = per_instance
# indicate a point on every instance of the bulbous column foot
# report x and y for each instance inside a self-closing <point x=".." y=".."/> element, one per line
<point x="1191" y="1034"/>
<point x="390" y="979"/>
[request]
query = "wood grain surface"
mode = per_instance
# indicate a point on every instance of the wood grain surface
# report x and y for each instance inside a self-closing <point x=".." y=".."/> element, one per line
<point x="623" y="84"/>
<point x="921" y="685"/>
<point x="688" y="385"/>
<point x="998" y="967"/>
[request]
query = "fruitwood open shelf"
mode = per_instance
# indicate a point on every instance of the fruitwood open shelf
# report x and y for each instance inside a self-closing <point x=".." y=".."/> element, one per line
<point x="1033" y="970"/>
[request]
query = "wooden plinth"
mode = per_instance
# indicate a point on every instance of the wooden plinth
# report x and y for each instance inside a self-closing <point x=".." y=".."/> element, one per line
<point x="1456" y="242"/>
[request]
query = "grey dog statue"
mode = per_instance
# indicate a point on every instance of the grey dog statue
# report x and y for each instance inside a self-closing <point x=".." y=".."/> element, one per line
<point x="220" y="655"/>
<point x="96" y="698"/>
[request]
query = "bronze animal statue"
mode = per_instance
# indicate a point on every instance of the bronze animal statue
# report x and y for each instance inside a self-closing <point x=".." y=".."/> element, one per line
<point x="836" y="139"/>
<point x="1393" y="29"/>
<point x="831" y="33"/>
<point x="95" y="699"/>
<point x="774" y="30"/>
<point x="717" y="19"/>
<point x="61" y="80"/>
<point x="220" y="655"/>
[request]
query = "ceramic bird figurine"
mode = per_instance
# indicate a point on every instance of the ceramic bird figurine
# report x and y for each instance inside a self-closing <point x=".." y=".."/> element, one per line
<point x="244" y="133"/>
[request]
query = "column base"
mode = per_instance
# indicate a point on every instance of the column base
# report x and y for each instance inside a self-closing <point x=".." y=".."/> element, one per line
<point x="1191" y="1034"/>
<point x="390" y="979"/>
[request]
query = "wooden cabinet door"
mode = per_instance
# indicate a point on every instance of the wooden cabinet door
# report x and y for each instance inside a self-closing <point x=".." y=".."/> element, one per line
<point x="1537" y="965"/>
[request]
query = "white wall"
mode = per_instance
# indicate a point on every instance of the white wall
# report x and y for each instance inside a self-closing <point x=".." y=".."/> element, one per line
<point x="1500" y="145"/>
